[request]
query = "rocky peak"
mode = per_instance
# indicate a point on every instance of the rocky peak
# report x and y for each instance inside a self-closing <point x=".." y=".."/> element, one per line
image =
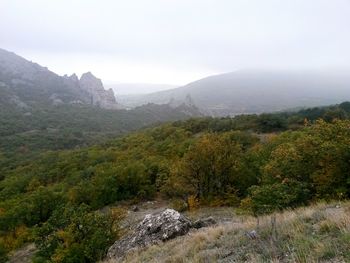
<point x="22" y="75"/>
<point x="74" y="78"/>
<point x="99" y="96"/>
<point x="90" y="83"/>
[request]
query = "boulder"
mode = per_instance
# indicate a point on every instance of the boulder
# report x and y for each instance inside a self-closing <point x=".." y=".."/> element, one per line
<point x="204" y="222"/>
<point x="154" y="229"/>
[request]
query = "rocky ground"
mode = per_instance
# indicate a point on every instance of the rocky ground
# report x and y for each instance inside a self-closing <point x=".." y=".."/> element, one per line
<point x="154" y="233"/>
<point x="317" y="233"/>
<point x="135" y="213"/>
<point x="154" y="222"/>
<point x="23" y="255"/>
<point x="221" y="215"/>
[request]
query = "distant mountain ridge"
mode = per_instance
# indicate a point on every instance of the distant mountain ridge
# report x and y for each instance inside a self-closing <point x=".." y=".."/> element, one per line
<point x="28" y="83"/>
<point x="257" y="91"/>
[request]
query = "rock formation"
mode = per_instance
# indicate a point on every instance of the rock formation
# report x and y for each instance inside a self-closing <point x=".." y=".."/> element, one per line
<point x="31" y="84"/>
<point x="99" y="96"/>
<point x="154" y="229"/>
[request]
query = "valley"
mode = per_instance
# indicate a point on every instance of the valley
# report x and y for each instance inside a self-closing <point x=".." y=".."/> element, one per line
<point x="184" y="131"/>
<point x="214" y="171"/>
<point x="252" y="164"/>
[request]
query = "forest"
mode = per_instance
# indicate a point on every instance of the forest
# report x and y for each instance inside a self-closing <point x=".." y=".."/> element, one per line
<point x="257" y="163"/>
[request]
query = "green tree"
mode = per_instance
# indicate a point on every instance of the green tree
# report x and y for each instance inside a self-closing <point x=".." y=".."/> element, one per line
<point x="210" y="165"/>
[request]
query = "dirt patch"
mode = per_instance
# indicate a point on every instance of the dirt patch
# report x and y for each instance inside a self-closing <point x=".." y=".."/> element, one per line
<point x="23" y="255"/>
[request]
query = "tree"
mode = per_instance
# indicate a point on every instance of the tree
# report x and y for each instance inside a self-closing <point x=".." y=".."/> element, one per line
<point x="209" y="166"/>
<point x="271" y="122"/>
<point x="74" y="234"/>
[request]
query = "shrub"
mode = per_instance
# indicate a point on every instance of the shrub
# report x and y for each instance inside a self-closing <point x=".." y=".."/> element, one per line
<point x="179" y="205"/>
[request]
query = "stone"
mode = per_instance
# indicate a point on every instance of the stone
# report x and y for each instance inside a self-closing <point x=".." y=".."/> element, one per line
<point x="204" y="222"/>
<point x="99" y="96"/>
<point x="154" y="229"/>
<point x="252" y="234"/>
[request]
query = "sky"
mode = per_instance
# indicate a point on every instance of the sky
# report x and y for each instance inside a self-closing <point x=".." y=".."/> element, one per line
<point x="176" y="41"/>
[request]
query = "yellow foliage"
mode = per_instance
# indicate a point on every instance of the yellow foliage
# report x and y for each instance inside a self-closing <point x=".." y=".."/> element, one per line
<point x="246" y="204"/>
<point x="59" y="255"/>
<point x="117" y="215"/>
<point x="15" y="239"/>
<point x="33" y="185"/>
<point x="193" y="202"/>
<point x="66" y="237"/>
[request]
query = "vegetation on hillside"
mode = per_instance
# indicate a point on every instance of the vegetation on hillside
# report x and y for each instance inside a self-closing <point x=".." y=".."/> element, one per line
<point x="56" y="198"/>
<point x="24" y="133"/>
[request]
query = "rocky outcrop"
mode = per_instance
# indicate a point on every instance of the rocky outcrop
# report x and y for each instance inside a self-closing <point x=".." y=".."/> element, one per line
<point x="99" y="96"/>
<point x="74" y="78"/>
<point x="153" y="229"/>
<point x="34" y="84"/>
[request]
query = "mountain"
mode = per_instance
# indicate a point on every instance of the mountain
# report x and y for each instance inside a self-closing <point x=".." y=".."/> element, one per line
<point x="257" y="91"/>
<point x="99" y="96"/>
<point x="25" y="84"/>
<point x="41" y="110"/>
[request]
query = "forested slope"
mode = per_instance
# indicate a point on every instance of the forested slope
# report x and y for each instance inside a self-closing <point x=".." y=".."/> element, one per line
<point x="260" y="163"/>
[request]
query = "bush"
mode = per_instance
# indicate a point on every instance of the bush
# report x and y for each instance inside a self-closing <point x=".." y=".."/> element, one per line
<point x="3" y="255"/>
<point x="73" y="234"/>
<point x="179" y="205"/>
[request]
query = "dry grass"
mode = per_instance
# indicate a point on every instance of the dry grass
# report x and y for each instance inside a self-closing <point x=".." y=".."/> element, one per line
<point x="319" y="233"/>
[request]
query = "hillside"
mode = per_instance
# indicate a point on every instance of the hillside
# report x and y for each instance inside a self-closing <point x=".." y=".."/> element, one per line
<point x="253" y="163"/>
<point x="66" y="127"/>
<point x="317" y="233"/>
<point x="43" y="111"/>
<point x="257" y="91"/>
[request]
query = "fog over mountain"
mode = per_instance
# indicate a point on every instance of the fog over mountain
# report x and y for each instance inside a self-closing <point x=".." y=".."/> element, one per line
<point x="137" y="88"/>
<point x="28" y="84"/>
<point x="176" y="42"/>
<point x="256" y="91"/>
<point x="174" y="131"/>
<point x="43" y="110"/>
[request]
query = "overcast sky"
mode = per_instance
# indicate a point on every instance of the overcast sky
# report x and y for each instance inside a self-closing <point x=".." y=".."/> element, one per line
<point x="176" y="41"/>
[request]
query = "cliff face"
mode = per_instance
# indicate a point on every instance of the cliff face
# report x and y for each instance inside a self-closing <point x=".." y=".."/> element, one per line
<point x="99" y="96"/>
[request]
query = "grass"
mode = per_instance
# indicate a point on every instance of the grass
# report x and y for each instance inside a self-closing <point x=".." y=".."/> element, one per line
<point x="318" y="233"/>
